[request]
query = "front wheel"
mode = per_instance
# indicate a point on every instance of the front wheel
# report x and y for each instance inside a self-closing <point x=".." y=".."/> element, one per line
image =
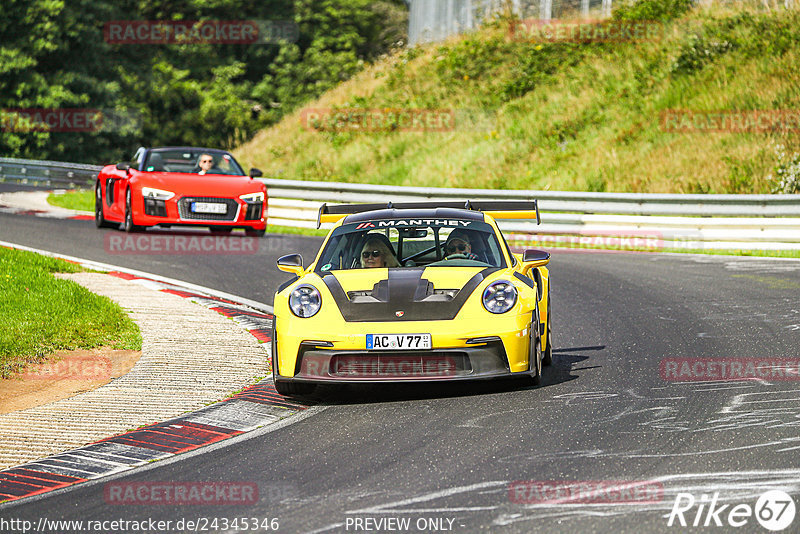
<point x="535" y="351"/>
<point x="547" y="355"/>
<point x="255" y="233"/>
<point x="99" y="219"/>
<point x="128" y="225"/>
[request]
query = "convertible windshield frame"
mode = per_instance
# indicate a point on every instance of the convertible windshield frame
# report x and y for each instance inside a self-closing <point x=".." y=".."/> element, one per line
<point x="184" y="160"/>
<point x="414" y="245"/>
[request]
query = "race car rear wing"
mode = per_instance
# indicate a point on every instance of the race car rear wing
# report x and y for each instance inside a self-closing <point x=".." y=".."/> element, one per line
<point x="497" y="209"/>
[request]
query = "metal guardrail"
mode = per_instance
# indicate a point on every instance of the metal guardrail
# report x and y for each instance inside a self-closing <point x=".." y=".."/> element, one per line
<point x="580" y="219"/>
<point x="571" y="218"/>
<point x="47" y="173"/>
<point x="552" y="201"/>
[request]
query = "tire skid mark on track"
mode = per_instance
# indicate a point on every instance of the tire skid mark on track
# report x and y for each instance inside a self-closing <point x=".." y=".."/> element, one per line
<point x="255" y="406"/>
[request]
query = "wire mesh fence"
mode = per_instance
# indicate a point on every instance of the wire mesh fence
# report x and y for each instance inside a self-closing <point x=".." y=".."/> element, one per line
<point x="435" y="20"/>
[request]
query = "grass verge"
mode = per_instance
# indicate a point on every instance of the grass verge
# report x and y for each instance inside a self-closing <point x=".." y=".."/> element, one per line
<point x="40" y="314"/>
<point x="74" y="200"/>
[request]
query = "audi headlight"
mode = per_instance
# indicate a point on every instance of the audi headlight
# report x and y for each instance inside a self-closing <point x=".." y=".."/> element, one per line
<point x="158" y="194"/>
<point x="499" y="297"/>
<point x="305" y="301"/>
<point x="253" y="197"/>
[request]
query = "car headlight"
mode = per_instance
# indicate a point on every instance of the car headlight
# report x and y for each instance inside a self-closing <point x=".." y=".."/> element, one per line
<point x="499" y="297"/>
<point x="158" y="194"/>
<point x="253" y="197"/>
<point x="305" y="301"/>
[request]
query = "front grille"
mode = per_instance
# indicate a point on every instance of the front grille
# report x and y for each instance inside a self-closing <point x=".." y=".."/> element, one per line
<point x="185" y="209"/>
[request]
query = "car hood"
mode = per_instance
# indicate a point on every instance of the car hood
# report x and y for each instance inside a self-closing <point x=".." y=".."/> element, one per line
<point x="193" y="184"/>
<point x="416" y="294"/>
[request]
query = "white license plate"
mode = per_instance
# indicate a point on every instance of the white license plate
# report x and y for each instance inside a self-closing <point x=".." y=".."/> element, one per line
<point x="398" y="341"/>
<point x="209" y="207"/>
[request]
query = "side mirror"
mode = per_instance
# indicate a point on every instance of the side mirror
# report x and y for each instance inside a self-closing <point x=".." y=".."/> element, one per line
<point x="291" y="263"/>
<point x="536" y="257"/>
<point x="255" y="173"/>
<point x="124" y="167"/>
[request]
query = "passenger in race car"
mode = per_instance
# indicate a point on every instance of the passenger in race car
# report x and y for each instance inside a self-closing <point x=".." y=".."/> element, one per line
<point x="376" y="253"/>
<point x="458" y="245"/>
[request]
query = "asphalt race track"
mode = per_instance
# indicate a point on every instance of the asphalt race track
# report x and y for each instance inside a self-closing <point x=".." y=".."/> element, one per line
<point x="479" y="457"/>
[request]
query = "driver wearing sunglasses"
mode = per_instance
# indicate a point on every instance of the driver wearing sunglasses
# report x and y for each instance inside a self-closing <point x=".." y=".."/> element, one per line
<point x="459" y="246"/>
<point x="375" y="253"/>
<point x="204" y="164"/>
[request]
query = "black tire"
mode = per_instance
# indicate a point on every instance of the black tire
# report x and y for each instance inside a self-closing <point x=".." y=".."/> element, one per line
<point x="128" y="225"/>
<point x="255" y="233"/>
<point x="547" y="354"/>
<point x="99" y="220"/>
<point x="535" y="350"/>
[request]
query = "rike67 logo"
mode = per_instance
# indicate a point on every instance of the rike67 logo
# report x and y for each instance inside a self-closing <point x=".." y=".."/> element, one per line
<point x="774" y="510"/>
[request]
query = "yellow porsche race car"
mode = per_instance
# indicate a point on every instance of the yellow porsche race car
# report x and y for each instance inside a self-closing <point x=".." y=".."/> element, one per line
<point x="413" y="292"/>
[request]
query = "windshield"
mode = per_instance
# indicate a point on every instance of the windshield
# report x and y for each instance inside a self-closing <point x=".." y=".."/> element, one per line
<point x="397" y="244"/>
<point x="192" y="160"/>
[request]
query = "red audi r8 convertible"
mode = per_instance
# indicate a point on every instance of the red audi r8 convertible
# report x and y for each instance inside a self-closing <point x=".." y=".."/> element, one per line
<point x="181" y="186"/>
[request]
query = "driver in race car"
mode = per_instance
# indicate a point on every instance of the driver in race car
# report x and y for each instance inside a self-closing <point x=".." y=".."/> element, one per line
<point x="205" y="163"/>
<point x="458" y="245"/>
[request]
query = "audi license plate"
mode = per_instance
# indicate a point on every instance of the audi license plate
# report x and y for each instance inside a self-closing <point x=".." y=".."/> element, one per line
<point x="209" y="207"/>
<point x="398" y="341"/>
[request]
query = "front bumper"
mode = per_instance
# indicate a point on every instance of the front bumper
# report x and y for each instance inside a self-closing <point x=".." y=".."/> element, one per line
<point x="454" y="356"/>
<point x="177" y="212"/>
<point x="320" y="364"/>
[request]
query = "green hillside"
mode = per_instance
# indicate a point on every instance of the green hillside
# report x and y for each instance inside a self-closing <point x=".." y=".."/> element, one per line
<point x="564" y="115"/>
